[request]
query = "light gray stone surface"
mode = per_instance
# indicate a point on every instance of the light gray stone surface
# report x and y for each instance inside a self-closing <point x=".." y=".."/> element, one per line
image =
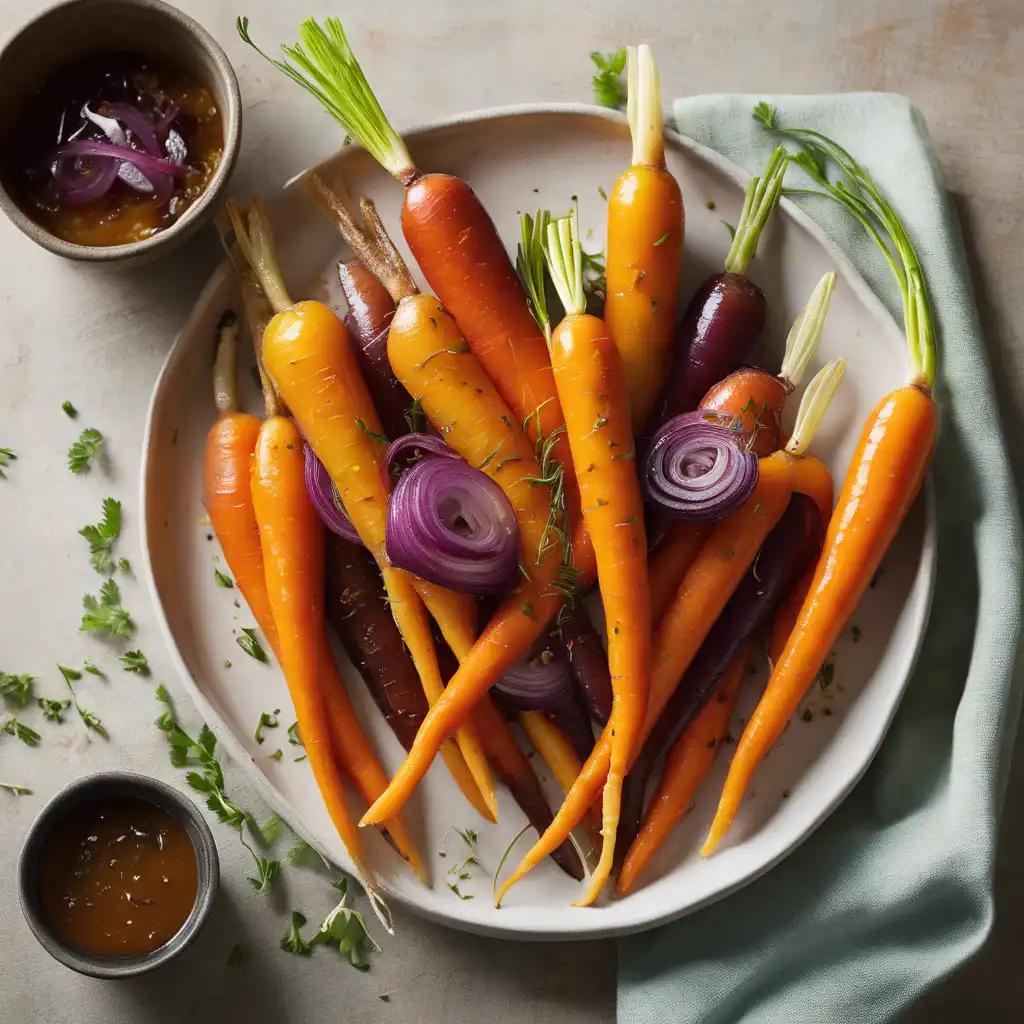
<point x="98" y="337"/>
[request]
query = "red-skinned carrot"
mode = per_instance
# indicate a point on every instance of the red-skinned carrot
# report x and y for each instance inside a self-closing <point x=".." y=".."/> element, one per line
<point x="686" y="767"/>
<point x="453" y="239"/>
<point x="307" y="354"/>
<point x="884" y="477"/>
<point x="756" y="398"/>
<point x="716" y="572"/>
<point x="645" y="246"/>
<point x="591" y="382"/>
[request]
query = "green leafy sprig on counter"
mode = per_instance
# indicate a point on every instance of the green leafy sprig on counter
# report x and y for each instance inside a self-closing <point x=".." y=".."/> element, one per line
<point x="608" y="82"/>
<point x="7" y="456"/>
<point x="101" y="537"/>
<point x="89" y="720"/>
<point x="104" y="614"/>
<point x="85" y="450"/>
<point x="135" y="661"/>
<point x="207" y="777"/>
<point x="16" y="689"/>
<point x="343" y="928"/>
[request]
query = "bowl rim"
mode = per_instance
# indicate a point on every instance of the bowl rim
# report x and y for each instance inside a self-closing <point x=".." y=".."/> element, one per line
<point x="194" y="215"/>
<point x="154" y="791"/>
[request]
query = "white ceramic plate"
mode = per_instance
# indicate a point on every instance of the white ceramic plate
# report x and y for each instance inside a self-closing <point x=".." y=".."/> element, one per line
<point x="523" y="158"/>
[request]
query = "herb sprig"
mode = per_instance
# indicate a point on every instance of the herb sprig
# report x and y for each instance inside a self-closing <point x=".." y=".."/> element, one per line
<point x="85" y="450"/>
<point x="7" y="456"/>
<point x="102" y="535"/>
<point x="608" y="84"/>
<point x="105" y="614"/>
<point x="16" y="689"/>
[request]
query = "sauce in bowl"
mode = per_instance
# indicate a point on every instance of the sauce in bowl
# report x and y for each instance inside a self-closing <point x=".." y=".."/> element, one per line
<point x="117" y="877"/>
<point x="105" y="100"/>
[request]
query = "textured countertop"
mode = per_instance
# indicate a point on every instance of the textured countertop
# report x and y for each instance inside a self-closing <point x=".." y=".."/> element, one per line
<point x="98" y="337"/>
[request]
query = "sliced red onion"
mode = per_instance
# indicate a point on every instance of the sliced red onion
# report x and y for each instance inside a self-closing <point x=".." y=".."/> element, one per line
<point x="697" y="467"/>
<point x="409" y="449"/>
<point x="136" y="122"/>
<point x="84" y="179"/>
<point x="326" y="499"/>
<point x="542" y="681"/>
<point x="146" y="163"/>
<point x="453" y="525"/>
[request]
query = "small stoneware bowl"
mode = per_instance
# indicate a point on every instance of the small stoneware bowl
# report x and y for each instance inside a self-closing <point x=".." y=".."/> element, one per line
<point x="153" y="29"/>
<point x="107" y="785"/>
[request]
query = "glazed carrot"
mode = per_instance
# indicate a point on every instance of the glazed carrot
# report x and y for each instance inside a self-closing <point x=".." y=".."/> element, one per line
<point x="670" y="561"/>
<point x="716" y="572"/>
<point x="884" y="477"/>
<point x="292" y="540"/>
<point x="307" y="354"/>
<point x="646" y="224"/>
<point x="687" y="764"/>
<point x="591" y="382"/>
<point x="454" y="241"/>
<point x="755" y="398"/>
<point x="227" y="490"/>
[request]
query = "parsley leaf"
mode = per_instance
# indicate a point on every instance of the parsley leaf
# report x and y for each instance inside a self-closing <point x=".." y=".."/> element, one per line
<point x="88" y="447"/>
<point x="105" y="614"/>
<point x="609" y="88"/>
<point x="293" y="942"/>
<point x="53" y="710"/>
<point x="13" y="727"/>
<point x="271" y="828"/>
<point x="222" y="579"/>
<point x="135" y="661"/>
<point x="16" y="688"/>
<point x="7" y="456"/>
<point x="299" y="851"/>
<point x="250" y="643"/>
<point x="346" y="929"/>
<point x="266" y="870"/>
<point x="293" y="735"/>
<point x="124" y="565"/>
<point x="93" y="670"/>
<point x="101" y="537"/>
<point x="267" y="721"/>
<point x="69" y="409"/>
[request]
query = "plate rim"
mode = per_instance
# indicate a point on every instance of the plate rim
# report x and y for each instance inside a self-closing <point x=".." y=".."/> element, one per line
<point x="591" y="928"/>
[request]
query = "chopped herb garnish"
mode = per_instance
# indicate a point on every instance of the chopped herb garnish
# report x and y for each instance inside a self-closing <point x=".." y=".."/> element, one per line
<point x="135" y="661"/>
<point x="664" y="238"/>
<point x="7" y="456"/>
<point x="468" y="836"/>
<point x="222" y="579"/>
<point x="293" y="735"/>
<point x="826" y="675"/>
<point x="105" y="614"/>
<point x="371" y="433"/>
<point x="729" y="228"/>
<point x="710" y="204"/>
<point x="455" y="889"/>
<point x="238" y="956"/>
<point x="101" y="537"/>
<point x="89" y="720"/>
<point x="528" y="610"/>
<point x="299" y="851"/>
<point x="13" y="727"/>
<point x="725" y="555"/>
<point x="415" y="417"/>
<point x="71" y="675"/>
<point x="88" y="447"/>
<point x="93" y="670"/>
<point x="503" y="462"/>
<point x="53" y="710"/>
<point x="345" y="929"/>
<point x="808" y="715"/>
<point x="15" y="789"/>
<point x="69" y="409"/>
<point x="250" y="643"/>
<point x="490" y="458"/>
<point x="267" y="720"/>
<point x="124" y="565"/>
<point x="856" y="633"/>
<point x="276" y="755"/>
<point x="624" y="456"/>
<point x="17" y="689"/>
<point x="609" y="88"/>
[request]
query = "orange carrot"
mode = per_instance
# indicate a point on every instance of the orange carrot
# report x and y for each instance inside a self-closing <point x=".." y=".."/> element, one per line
<point x="291" y="536"/>
<point x="306" y="352"/>
<point x="722" y="562"/>
<point x="645" y="246"/>
<point x="884" y="477"/>
<point x="591" y="383"/>
<point x="670" y="561"/>
<point x="686" y="766"/>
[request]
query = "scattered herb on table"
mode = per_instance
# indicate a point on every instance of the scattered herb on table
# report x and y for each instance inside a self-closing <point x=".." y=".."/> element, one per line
<point x="101" y="537"/>
<point x="250" y="643"/>
<point x="270" y="830"/>
<point x="299" y="852"/>
<point x="199" y="753"/>
<point x="609" y="87"/>
<point x="88" y="447"/>
<point x="292" y="941"/>
<point x="7" y="456"/>
<point x="90" y="720"/>
<point x="135" y="661"/>
<point x="276" y="755"/>
<point x="238" y="956"/>
<point x="345" y="929"/>
<point x="105" y="614"/>
<point x="124" y="565"/>
<point x="222" y="579"/>
<point x="69" y="409"/>
<point x="12" y="726"/>
<point x="93" y="670"/>
<point x="826" y="674"/>
<point x="53" y="710"/>
<point x="293" y="735"/>
<point x="856" y="633"/>
<point x="15" y="788"/>
<point x="17" y="689"/>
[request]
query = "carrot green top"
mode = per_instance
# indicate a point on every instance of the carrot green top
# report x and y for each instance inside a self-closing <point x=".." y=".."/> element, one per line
<point x="322" y="62"/>
<point x="857" y="193"/>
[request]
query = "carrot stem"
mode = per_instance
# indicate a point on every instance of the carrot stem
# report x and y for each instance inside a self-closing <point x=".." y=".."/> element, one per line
<point x="643" y="108"/>
<point x="762" y="195"/>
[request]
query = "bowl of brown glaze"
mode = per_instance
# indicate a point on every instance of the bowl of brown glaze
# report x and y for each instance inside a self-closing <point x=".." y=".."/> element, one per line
<point x="88" y="76"/>
<point x="118" y="875"/>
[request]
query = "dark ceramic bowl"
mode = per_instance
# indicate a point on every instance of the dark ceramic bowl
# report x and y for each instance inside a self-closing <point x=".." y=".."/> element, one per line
<point x="118" y="784"/>
<point x="153" y="29"/>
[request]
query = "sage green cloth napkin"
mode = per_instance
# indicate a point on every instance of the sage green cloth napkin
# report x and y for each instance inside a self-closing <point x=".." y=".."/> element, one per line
<point x="895" y="889"/>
